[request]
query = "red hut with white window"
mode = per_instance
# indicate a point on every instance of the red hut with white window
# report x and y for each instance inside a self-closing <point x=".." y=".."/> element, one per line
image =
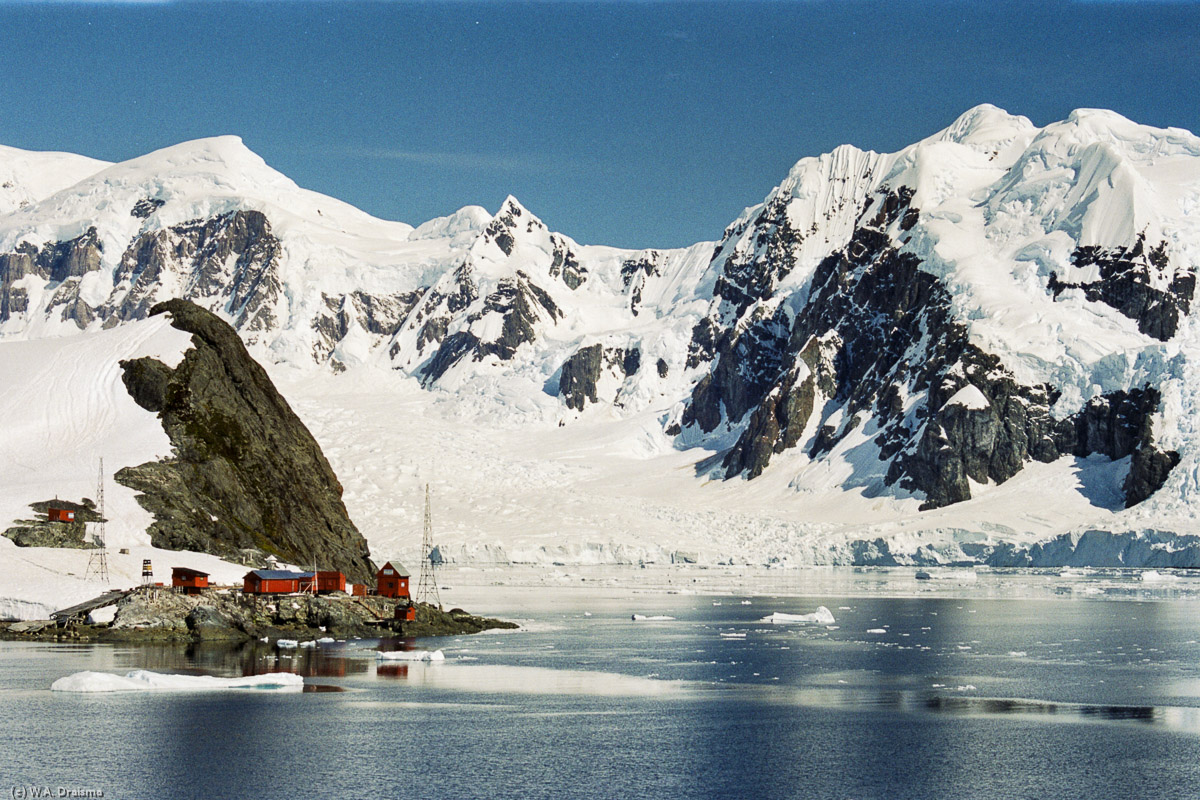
<point x="392" y="581"/>
<point x="60" y="514"/>
<point x="188" y="581"/>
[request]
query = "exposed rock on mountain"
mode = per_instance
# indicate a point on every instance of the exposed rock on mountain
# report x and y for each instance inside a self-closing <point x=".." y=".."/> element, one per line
<point x="582" y="373"/>
<point x="231" y="261"/>
<point x="245" y="474"/>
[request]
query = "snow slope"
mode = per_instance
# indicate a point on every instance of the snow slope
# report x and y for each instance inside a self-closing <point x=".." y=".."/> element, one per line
<point x="27" y="177"/>
<point x="65" y="407"/>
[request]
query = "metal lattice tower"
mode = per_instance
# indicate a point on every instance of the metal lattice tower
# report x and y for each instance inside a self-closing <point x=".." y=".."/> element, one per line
<point x="98" y="560"/>
<point x="427" y="590"/>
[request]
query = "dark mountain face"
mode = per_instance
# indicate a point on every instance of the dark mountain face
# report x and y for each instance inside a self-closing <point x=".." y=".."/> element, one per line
<point x="876" y="352"/>
<point x="245" y="477"/>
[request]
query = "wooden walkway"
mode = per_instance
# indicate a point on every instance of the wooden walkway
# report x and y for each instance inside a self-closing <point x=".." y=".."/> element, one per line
<point x="378" y="618"/>
<point x="83" y="609"/>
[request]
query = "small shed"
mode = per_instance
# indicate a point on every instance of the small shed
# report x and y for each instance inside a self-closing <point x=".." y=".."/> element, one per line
<point x="327" y="581"/>
<point x="189" y="581"/>
<point x="60" y="514"/>
<point x="392" y="581"/>
<point x="273" y="581"/>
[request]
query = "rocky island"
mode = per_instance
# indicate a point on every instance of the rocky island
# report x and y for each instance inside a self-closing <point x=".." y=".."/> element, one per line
<point x="154" y="614"/>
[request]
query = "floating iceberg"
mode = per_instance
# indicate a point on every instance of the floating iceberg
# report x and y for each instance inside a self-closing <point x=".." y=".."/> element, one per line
<point x="141" y="680"/>
<point x="411" y="655"/>
<point x="653" y="618"/>
<point x="287" y="644"/>
<point x="822" y="616"/>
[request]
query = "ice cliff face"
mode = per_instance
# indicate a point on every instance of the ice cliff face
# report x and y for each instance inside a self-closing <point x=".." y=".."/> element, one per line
<point x="916" y="325"/>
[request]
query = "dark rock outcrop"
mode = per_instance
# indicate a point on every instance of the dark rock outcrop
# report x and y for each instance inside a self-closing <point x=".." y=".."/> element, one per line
<point x="244" y="472"/>
<point x="581" y="373"/>
<point x="1138" y="282"/>
<point x="634" y="274"/>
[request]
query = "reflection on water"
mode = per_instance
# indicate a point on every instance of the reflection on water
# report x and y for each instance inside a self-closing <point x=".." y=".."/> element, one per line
<point x="392" y="670"/>
<point x="496" y="678"/>
<point x="227" y="659"/>
<point x="1177" y="718"/>
<point x="1170" y="717"/>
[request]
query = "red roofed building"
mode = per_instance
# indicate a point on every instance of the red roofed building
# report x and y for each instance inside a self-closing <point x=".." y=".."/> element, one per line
<point x="392" y="581"/>
<point x="274" y="581"/>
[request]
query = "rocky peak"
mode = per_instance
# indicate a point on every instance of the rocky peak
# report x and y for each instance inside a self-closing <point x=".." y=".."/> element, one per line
<point x="245" y="473"/>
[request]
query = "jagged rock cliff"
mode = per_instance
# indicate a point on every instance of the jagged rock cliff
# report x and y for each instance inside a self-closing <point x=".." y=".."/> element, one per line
<point x="245" y="474"/>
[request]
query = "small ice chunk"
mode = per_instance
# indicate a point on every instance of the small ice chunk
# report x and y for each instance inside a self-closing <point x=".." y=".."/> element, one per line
<point x="652" y="618"/>
<point x="876" y="630"/>
<point x="287" y="644"/>
<point x="411" y="655"/>
<point x="822" y="616"/>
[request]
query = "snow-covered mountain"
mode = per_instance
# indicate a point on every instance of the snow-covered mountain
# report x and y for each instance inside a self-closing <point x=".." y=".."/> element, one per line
<point x="951" y="352"/>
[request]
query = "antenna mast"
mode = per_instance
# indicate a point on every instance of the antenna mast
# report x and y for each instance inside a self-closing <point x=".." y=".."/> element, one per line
<point x="98" y="560"/>
<point x="427" y="590"/>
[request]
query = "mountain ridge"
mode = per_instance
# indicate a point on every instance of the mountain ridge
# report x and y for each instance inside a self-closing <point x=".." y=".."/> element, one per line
<point x="919" y="326"/>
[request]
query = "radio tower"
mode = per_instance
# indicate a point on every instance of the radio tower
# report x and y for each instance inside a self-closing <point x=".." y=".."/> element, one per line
<point x="427" y="590"/>
<point x="98" y="560"/>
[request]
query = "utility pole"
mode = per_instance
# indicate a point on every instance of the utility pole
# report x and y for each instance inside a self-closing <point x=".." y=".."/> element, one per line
<point x="427" y="589"/>
<point x="98" y="560"/>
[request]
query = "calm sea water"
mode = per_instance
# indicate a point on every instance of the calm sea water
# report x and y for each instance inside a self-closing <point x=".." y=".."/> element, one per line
<point x="925" y="697"/>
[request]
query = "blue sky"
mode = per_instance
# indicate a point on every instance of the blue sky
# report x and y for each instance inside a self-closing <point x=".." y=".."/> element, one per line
<point x="643" y="124"/>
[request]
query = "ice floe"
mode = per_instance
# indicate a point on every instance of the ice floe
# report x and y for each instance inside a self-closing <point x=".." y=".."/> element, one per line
<point x="822" y="616"/>
<point x="411" y="655"/>
<point x="141" y="680"/>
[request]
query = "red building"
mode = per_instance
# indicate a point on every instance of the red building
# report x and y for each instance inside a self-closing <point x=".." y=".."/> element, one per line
<point x="326" y="582"/>
<point x="60" y="514"/>
<point x="392" y="581"/>
<point x="190" y="581"/>
<point x="274" y="581"/>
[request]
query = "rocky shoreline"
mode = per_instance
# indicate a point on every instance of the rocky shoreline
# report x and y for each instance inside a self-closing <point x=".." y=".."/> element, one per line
<point x="161" y="615"/>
